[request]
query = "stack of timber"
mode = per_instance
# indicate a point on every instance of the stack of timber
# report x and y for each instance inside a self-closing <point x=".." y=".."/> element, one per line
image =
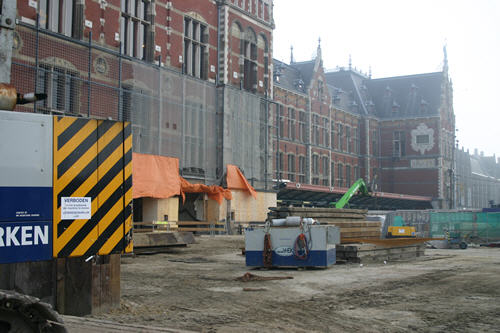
<point x="155" y="226"/>
<point x="371" y="253"/>
<point x="352" y="222"/>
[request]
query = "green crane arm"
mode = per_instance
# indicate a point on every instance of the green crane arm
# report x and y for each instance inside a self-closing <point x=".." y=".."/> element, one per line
<point x="359" y="185"/>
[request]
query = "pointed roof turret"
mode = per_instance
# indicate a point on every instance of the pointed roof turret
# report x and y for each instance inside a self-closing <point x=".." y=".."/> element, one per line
<point x="445" y="59"/>
<point x="318" y="54"/>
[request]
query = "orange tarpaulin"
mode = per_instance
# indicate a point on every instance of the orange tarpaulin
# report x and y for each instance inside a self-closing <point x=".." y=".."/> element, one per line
<point x="236" y="180"/>
<point x="214" y="192"/>
<point x="155" y="176"/>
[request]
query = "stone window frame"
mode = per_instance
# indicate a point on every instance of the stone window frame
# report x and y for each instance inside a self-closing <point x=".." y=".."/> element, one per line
<point x="195" y="48"/>
<point x="61" y="82"/>
<point x="134" y="27"/>
<point x="399" y="143"/>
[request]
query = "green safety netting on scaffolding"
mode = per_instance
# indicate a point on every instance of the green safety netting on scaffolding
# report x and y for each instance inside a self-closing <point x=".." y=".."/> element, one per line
<point x="473" y="226"/>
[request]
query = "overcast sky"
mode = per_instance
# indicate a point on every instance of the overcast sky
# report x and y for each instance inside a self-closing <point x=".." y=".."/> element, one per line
<point x="403" y="37"/>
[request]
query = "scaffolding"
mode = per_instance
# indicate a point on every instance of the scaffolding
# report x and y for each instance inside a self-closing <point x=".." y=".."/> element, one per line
<point x="172" y="114"/>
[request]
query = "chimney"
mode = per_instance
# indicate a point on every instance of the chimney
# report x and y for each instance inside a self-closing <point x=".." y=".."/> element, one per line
<point x="475" y="151"/>
<point x="482" y="153"/>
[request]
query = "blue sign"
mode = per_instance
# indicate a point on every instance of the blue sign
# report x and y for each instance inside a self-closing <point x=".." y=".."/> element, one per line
<point x="25" y="204"/>
<point x="25" y="241"/>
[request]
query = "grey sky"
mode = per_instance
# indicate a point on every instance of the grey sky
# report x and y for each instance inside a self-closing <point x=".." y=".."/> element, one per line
<point x="403" y="37"/>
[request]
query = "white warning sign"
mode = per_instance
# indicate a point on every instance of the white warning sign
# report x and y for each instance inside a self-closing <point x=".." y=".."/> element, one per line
<point x="76" y="208"/>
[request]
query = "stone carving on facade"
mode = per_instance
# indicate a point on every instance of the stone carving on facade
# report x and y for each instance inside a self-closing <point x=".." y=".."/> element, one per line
<point x="422" y="131"/>
<point x="101" y="65"/>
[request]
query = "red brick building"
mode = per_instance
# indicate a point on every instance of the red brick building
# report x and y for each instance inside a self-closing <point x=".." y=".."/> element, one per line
<point x="198" y="82"/>
<point x="396" y="133"/>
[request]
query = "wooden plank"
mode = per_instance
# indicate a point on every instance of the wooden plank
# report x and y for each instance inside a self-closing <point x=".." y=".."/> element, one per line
<point x="156" y="249"/>
<point x="338" y="215"/>
<point x="356" y="247"/>
<point x="359" y="234"/>
<point x="318" y="209"/>
<point x="60" y="285"/>
<point x="114" y="281"/>
<point x="382" y="257"/>
<point x="78" y="283"/>
<point x="362" y="229"/>
<point x="182" y="223"/>
<point x="350" y="240"/>
<point x="348" y="222"/>
<point x="96" y="288"/>
<point x="143" y="230"/>
<point x="372" y="247"/>
<point x="379" y="252"/>
<point x="200" y="229"/>
<point x="390" y="242"/>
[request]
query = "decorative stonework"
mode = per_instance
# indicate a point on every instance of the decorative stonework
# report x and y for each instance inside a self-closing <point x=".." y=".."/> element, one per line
<point x="196" y="16"/>
<point x="422" y="138"/>
<point x="101" y="65"/>
<point x="59" y="62"/>
<point x="17" y="42"/>
<point x="423" y="164"/>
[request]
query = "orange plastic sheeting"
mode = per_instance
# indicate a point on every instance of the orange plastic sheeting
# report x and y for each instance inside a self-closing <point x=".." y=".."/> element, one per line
<point x="236" y="180"/>
<point x="155" y="176"/>
<point x="214" y="192"/>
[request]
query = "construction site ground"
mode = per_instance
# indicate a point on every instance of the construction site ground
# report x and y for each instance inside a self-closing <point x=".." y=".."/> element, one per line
<point x="194" y="288"/>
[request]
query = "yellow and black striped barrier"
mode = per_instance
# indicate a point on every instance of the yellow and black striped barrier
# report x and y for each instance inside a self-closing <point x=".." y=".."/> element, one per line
<point x="92" y="187"/>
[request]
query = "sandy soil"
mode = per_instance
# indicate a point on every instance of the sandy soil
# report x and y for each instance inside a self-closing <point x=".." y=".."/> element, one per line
<point x="194" y="288"/>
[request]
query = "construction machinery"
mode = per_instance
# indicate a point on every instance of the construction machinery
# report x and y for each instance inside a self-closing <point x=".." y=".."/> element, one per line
<point x="358" y="186"/>
<point x="456" y="240"/>
<point x="399" y="229"/>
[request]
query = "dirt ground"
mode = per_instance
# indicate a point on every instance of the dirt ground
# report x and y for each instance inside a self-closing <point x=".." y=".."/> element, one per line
<point x="194" y="288"/>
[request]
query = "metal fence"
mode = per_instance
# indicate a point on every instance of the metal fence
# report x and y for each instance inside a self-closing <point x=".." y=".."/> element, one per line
<point x="172" y="114"/>
<point x="470" y="225"/>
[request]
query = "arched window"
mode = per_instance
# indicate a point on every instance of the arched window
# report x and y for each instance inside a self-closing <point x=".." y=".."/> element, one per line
<point x="249" y="56"/>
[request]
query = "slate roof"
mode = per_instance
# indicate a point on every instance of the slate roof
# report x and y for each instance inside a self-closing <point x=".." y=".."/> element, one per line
<point x="485" y="166"/>
<point x="412" y="95"/>
<point x="386" y="98"/>
<point x="290" y="77"/>
<point x="306" y="69"/>
<point x="347" y="90"/>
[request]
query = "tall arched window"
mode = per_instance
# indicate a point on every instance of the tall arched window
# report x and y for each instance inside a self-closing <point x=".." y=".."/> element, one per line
<point x="249" y="55"/>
